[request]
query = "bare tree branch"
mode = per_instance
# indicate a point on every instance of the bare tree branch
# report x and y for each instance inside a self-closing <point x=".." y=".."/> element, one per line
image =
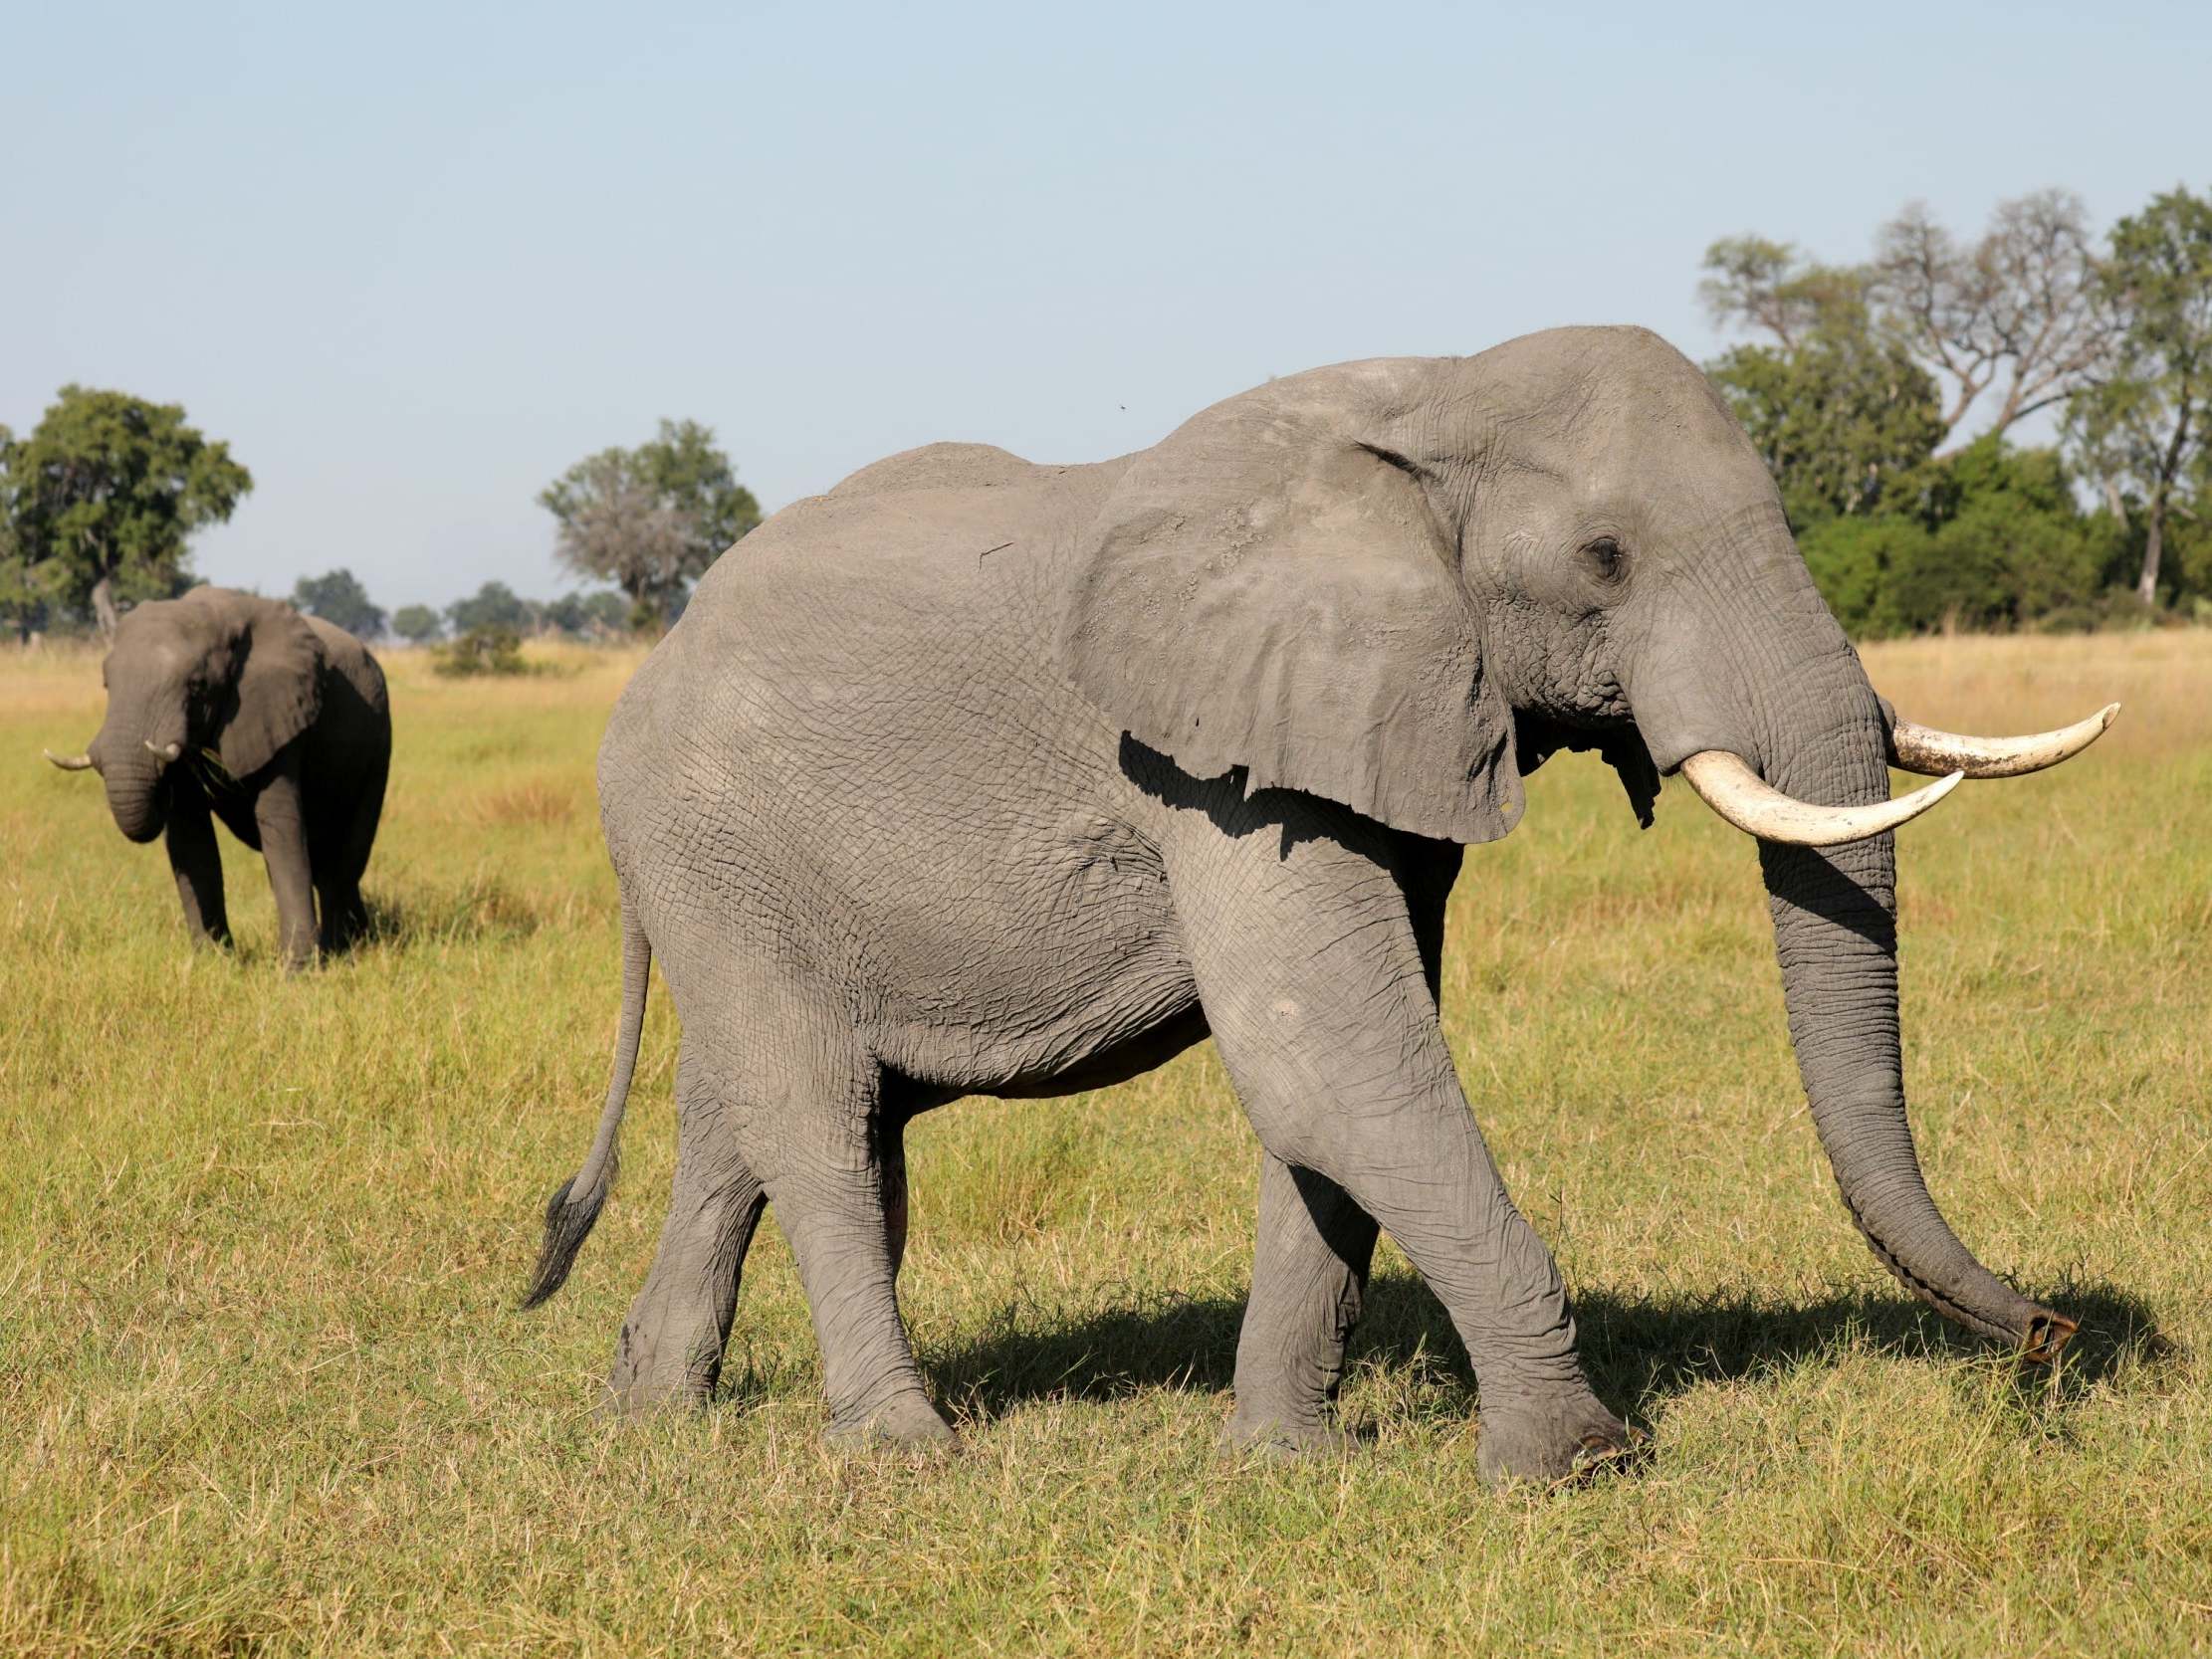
<point x="2019" y="312"/>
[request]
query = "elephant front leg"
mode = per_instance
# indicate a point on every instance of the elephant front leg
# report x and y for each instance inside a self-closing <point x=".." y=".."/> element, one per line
<point x="1311" y="974"/>
<point x="197" y="864"/>
<point x="1309" y="1276"/>
<point x="284" y="846"/>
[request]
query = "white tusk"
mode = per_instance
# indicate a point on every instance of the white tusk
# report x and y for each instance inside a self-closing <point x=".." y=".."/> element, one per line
<point x="1923" y="749"/>
<point x="166" y="751"/>
<point x="1726" y="783"/>
<point x="68" y="763"/>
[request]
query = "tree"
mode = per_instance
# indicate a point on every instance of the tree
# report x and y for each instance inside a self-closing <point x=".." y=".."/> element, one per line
<point x="338" y="598"/>
<point x="416" y="624"/>
<point x="2145" y="424"/>
<point x="494" y="605"/>
<point x="650" y="520"/>
<point x="585" y="615"/>
<point x="2022" y="310"/>
<point x="1994" y="537"/>
<point x="106" y="491"/>
<point x="1841" y="419"/>
<point x="1752" y="283"/>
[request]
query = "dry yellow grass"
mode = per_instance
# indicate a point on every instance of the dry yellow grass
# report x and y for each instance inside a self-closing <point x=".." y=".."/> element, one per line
<point x="263" y="1387"/>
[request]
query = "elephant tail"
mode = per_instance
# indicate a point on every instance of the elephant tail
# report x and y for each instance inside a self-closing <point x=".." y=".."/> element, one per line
<point x="571" y="1211"/>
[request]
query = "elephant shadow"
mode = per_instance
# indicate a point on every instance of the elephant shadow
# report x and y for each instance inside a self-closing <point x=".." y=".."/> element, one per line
<point x="1640" y="1350"/>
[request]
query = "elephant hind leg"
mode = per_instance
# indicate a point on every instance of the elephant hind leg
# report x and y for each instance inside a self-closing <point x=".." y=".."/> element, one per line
<point x="672" y="1342"/>
<point x="834" y="1162"/>
<point x="1309" y="1278"/>
<point x="339" y="866"/>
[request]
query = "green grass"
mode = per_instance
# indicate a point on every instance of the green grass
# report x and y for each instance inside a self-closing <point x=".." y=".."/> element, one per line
<point x="263" y="1387"/>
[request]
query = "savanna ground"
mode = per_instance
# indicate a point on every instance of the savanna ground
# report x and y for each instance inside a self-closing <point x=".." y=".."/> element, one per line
<point x="264" y="1388"/>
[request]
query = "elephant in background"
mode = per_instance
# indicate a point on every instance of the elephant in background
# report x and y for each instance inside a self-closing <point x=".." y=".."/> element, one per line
<point x="225" y="705"/>
<point x="975" y="776"/>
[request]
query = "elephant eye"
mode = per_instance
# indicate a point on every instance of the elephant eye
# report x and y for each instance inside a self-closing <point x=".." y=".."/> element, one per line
<point x="1606" y="559"/>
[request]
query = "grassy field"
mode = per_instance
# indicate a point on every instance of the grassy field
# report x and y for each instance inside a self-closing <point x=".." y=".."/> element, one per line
<point x="263" y="1387"/>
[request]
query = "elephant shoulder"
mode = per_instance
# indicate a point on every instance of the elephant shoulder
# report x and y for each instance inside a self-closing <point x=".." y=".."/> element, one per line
<point x="939" y="467"/>
<point x="345" y="656"/>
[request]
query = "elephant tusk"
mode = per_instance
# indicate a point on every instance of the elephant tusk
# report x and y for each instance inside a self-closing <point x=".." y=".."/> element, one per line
<point x="1923" y="749"/>
<point x="164" y="751"/>
<point x="68" y="763"/>
<point x="1726" y="783"/>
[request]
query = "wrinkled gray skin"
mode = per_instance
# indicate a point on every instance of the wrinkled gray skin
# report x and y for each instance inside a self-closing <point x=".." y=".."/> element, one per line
<point x="975" y="776"/>
<point x="281" y="728"/>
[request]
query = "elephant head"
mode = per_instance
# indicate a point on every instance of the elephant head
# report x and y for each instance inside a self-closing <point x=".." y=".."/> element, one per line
<point x="1402" y="583"/>
<point x="216" y="675"/>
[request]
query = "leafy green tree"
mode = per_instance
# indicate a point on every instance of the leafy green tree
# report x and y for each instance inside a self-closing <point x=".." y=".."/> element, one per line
<point x="650" y="520"/>
<point x="417" y="624"/>
<point x="585" y="615"/>
<point x="1753" y="282"/>
<point x="494" y="605"/>
<point x="1842" y="419"/>
<point x="103" y="494"/>
<point x="606" y="612"/>
<point x="1993" y="537"/>
<point x="340" y="599"/>
<point x="2145" y="427"/>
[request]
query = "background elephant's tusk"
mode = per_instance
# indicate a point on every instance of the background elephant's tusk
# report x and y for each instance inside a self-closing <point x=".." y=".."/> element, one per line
<point x="1727" y="784"/>
<point x="166" y="751"/>
<point x="1923" y="749"/>
<point x="68" y="763"/>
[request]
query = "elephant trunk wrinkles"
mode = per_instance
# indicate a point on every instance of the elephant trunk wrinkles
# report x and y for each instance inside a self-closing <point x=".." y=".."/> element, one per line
<point x="1834" y="932"/>
<point x="133" y="783"/>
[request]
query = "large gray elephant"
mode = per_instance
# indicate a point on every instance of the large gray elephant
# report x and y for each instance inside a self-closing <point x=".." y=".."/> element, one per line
<point x="973" y="776"/>
<point x="225" y="705"/>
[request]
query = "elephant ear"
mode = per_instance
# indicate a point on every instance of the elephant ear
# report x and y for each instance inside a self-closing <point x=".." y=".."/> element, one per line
<point x="1270" y="588"/>
<point x="278" y="684"/>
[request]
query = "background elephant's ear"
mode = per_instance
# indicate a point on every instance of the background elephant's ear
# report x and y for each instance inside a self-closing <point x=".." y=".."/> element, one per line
<point x="279" y="687"/>
<point x="1270" y="588"/>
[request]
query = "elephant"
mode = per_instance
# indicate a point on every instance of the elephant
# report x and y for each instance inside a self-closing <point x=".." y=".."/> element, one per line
<point x="225" y="705"/>
<point x="979" y="776"/>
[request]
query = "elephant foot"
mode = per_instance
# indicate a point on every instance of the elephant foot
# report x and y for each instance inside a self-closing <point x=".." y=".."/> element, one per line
<point x="1557" y="1442"/>
<point x="906" y="1422"/>
<point x="646" y="1377"/>
<point x="1284" y="1436"/>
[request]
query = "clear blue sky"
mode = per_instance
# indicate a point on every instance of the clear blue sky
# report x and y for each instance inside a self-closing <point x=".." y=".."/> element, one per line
<point x="413" y="260"/>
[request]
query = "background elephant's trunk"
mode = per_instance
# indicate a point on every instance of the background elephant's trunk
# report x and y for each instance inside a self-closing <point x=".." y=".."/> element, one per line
<point x="135" y="785"/>
<point x="1835" y="930"/>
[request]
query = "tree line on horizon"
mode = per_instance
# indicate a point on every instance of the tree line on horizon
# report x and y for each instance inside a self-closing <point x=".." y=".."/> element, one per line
<point x="1887" y="397"/>
<point x="99" y="503"/>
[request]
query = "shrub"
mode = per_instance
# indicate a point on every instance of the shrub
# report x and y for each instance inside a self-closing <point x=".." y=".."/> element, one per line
<point x="483" y="649"/>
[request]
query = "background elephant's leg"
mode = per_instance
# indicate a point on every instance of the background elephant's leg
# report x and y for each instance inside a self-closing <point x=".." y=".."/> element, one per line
<point x="1312" y="979"/>
<point x="673" y="1340"/>
<point x="839" y="1200"/>
<point x="339" y="874"/>
<point x="284" y="846"/>
<point x="197" y="864"/>
<point x="1309" y="1276"/>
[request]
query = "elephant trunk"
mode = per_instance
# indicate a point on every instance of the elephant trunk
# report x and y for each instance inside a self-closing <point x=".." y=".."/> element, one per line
<point x="1836" y="934"/>
<point x="1796" y="730"/>
<point x="134" y="780"/>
